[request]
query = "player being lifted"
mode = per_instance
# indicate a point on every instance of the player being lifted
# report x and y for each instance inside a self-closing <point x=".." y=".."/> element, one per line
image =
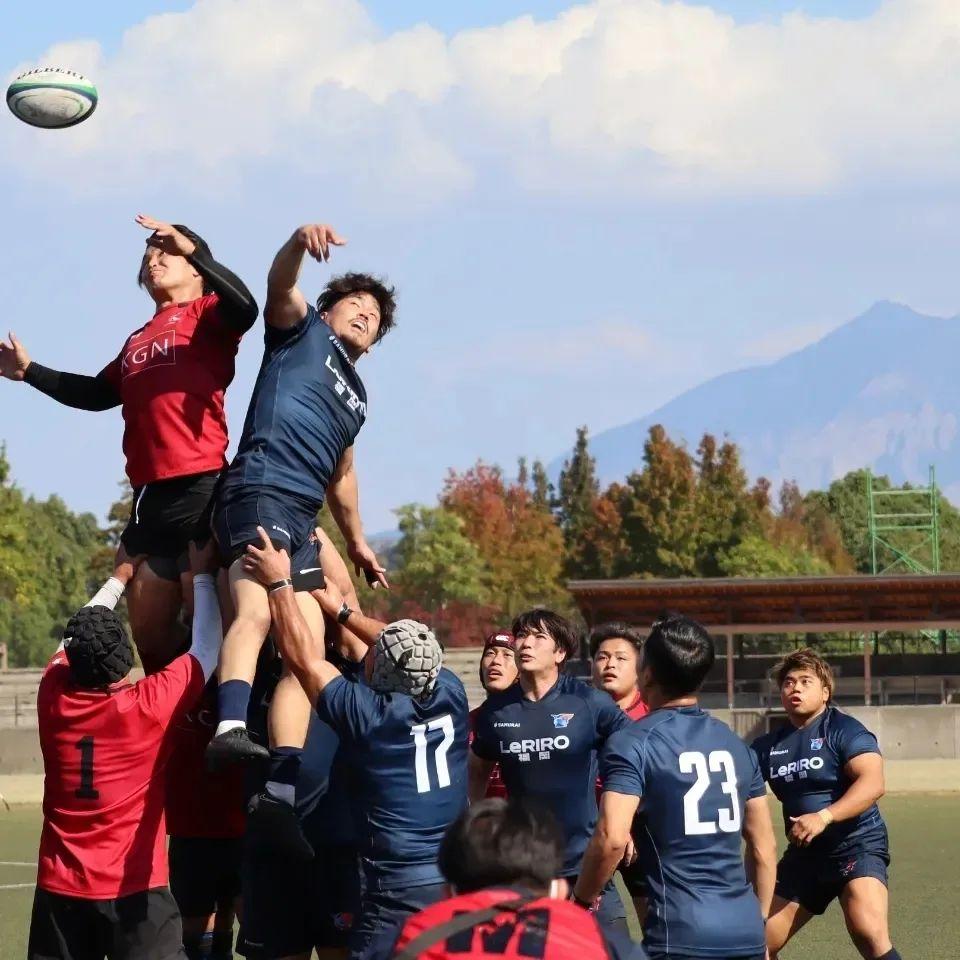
<point x="169" y="380"/>
<point x="308" y="406"/>
<point x="698" y="790"/>
<point x="825" y="768"/>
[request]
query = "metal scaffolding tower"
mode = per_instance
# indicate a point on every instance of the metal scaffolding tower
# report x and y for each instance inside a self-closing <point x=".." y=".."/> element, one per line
<point x="904" y="528"/>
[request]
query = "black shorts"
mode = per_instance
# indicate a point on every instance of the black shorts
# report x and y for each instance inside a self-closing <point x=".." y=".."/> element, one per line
<point x="141" y="926"/>
<point x="383" y="915"/>
<point x="292" y="908"/>
<point x="814" y="880"/>
<point x="289" y="523"/>
<point x="204" y="872"/>
<point x="166" y="516"/>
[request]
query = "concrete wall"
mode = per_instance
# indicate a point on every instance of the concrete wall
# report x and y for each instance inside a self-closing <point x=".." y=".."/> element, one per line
<point x="20" y="751"/>
<point x="914" y="733"/>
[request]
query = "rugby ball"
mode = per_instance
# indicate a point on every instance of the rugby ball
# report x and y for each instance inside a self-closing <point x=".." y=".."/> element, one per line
<point x="51" y="97"/>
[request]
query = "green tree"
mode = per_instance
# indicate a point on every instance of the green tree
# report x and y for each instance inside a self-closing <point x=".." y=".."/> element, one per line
<point x="756" y="557"/>
<point x="543" y="493"/>
<point x="438" y="564"/>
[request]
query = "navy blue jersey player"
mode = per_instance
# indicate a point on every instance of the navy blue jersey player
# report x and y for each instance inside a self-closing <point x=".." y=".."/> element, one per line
<point x="696" y="790"/>
<point x="825" y="768"/>
<point x="404" y="734"/>
<point x="296" y="452"/>
<point x="546" y="732"/>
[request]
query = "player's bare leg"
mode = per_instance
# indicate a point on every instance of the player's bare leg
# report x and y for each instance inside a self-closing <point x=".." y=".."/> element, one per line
<point x="238" y="664"/>
<point x="153" y="604"/>
<point x="786" y="918"/>
<point x="864" y="902"/>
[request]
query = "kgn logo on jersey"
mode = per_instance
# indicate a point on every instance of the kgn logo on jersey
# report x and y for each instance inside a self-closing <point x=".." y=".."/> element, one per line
<point x="561" y="720"/>
<point x="796" y="768"/>
<point x="343" y="388"/>
<point x="816" y="743"/>
<point x="542" y="746"/>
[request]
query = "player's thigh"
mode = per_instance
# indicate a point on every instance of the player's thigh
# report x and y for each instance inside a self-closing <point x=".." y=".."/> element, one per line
<point x="312" y="614"/>
<point x="865" y="905"/>
<point x="248" y="594"/>
<point x="153" y="604"/>
<point x="335" y="568"/>
<point x="786" y="918"/>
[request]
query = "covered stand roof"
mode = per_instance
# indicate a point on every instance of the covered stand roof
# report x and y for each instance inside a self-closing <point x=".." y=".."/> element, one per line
<point x="780" y="605"/>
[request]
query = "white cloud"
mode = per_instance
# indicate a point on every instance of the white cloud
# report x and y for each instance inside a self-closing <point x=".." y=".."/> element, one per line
<point x="621" y="97"/>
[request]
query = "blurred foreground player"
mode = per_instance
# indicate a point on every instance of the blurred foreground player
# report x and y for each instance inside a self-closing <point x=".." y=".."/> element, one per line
<point x="498" y="672"/>
<point x="699" y="792"/>
<point x="102" y="875"/>
<point x="404" y="735"/>
<point x="545" y="731"/>
<point x="825" y="768"/>
<point x="501" y="861"/>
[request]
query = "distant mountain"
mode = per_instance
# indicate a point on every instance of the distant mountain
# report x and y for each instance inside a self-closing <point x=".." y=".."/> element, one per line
<point x="881" y="391"/>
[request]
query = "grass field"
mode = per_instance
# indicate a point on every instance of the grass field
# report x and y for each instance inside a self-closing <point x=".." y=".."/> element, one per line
<point x="925" y="877"/>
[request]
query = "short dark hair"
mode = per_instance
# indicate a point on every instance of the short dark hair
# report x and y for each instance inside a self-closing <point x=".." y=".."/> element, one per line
<point x="608" y="631"/>
<point x="202" y="247"/>
<point x="562" y="630"/>
<point x="805" y="659"/>
<point x="350" y="283"/>
<point x="502" y="843"/>
<point x="679" y="653"/>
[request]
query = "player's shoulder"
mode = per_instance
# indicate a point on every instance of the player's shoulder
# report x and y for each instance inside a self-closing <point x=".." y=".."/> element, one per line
<point x="835" y="719"/>
<point x="569" y="685"/>
<point x="766" y="741"/>
<point x="499" y="700"/>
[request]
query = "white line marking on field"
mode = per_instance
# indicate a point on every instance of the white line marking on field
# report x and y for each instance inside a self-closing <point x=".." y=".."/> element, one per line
<point x="16" y="863"/>
<point x="16" y="886"/>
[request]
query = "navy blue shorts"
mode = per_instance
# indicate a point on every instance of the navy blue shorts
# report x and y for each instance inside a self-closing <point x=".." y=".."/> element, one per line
<point x="383" y="915"/>
<point x="289" y="523"/>
<point x="814" y="880"/>
<point x="292" y="908"/>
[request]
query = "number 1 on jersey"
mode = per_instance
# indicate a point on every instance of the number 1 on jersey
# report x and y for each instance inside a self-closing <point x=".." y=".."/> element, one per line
<point x="419" y="733"/>
<point x="86" y="790"/>
<point x="719" y="761"/>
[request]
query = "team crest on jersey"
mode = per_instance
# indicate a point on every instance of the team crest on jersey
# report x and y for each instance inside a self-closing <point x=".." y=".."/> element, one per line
<point x="561" y="720"/>
<point x="342" y="921"/>
<point x="816" y="743"/>
<point x="848" y="868"/>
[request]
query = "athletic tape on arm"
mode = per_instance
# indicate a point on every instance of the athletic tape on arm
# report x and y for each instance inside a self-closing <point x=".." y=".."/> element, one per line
<point x="207" y="628"/>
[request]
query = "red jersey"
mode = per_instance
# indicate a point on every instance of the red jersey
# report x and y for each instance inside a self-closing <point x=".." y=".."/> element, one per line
<point x="103" y="757"/>
<point x="171" y="376"/>
<point x="551" y="929"/>
<point x="200" y="803"/>
<point x="636" y="711"/>
<point x="495" y="785"/>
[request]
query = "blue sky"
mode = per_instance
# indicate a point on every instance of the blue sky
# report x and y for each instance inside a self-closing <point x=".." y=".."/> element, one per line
<point x="584" y="216"/>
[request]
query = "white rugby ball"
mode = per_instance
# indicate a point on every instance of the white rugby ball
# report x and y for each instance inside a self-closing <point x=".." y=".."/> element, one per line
<point x="51" y="97"/>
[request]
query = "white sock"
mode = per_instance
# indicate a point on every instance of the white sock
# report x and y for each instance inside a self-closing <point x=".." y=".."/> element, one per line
<point x="224" y="725"/>
<point x="282" y="791"/>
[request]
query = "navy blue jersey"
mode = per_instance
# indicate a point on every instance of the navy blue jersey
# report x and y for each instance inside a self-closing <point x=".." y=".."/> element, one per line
<point x="805" y="770"/>
<point x="308" y="406"/>
<point x="408" y="759"/>
<point x="695" y="776"/>
<point x="547" y="750"/>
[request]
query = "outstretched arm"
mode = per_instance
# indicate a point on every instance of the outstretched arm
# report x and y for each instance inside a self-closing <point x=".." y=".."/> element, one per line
<point x="289" y="630"/>
<point x="286" y="306"/>
<point x="71" y="389"/>
<point x="237" y="306"/>
<point x="760" y="855"/>
<point x="333" y="605"/>
<point x="608" y="844"/>
<point x="343" y="498"/>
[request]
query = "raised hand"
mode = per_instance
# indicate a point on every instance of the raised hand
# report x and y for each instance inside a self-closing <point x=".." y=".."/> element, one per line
<point x="366" y="560"/>
<point x="14" y="359"/>
<point x="166" y="236"/>
<point x="317" y="238"/>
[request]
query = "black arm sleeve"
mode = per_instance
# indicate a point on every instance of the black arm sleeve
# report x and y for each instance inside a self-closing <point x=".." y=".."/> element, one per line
<point x="237" y="305"/>
<point x="73" y="389"/>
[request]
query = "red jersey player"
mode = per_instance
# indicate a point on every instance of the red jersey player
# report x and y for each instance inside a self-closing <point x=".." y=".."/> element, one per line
<point x="169" y="379"/>
<point x="501" y="860"/>
<point x="615" y="649"/>
<point x="498" y="670"/>
<point x="102" y="876"/>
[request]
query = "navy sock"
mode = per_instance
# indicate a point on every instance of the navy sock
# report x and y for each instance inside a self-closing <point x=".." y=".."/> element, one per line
<point x="284" y="768"/>
<point x="233" y="698"/>
<point x="222" y="946"/>
<point x="891" y="954"/>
